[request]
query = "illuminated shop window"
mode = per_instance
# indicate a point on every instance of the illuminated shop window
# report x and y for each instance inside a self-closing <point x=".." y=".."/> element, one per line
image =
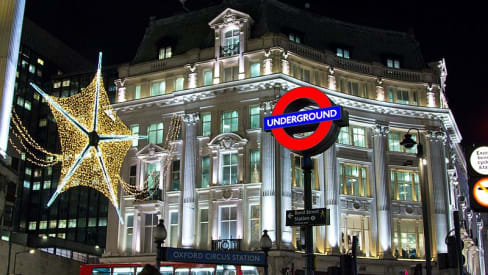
<point x="155" y="133"/>
<point x="205" y="172"/>
<point x="353" y="135"/>
<point x="405" y="185"/>
<point x="254" y="166"/>
<point x="32" y="226"/>
<point x="227" y="222"/>
<point x="158" y="88"/>
<point x="230" y="121"/>
<point x="206" y="124"/>
<point x="165" y="52"/>
<point x="394" y="139"/>
<point x="354" y="180"/>
<point x="229" y="168"/>
<point x="254" y="116"/>
<point x="356" y="225"/>
<point x="408" y="238"/>
<point x="342" y="53"/>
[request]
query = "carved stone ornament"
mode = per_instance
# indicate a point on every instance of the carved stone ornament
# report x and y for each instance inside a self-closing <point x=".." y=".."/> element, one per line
<point x="227" y="194"/>
<point x="227" y="141"/>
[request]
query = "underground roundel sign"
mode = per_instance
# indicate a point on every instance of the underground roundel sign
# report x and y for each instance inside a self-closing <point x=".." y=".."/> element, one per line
<point x="306" y="121"/>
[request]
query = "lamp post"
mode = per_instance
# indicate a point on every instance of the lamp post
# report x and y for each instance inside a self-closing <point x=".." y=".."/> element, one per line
<point x="408" y="143"/>
<point x="265" y="243"/>
<point x="30" y="251"/>
<point x="160" y="235"/>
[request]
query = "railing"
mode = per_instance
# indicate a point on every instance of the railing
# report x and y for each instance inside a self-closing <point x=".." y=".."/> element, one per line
<point x="150" y="195"/>
<point x="402" y="74"/>
<point x="227" y="244"/>
<point x="351" y="65"/>
<point x="229" y="50"/>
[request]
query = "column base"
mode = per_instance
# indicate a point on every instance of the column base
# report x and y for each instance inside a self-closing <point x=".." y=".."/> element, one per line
<point x="333" y="251"/>
<point x="386" y="255"/>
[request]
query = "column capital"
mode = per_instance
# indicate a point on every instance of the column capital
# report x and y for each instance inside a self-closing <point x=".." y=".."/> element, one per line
<point x="436" y="136"/>
<point x="268" y="106"/>
<point x="380" y="130"/>
<point x="191" y="118"/>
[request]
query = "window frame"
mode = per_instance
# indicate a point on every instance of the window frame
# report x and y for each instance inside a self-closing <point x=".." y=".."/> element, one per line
<point x="230" y="166"/>
<point x="165" y="52"/>
<point x="234" y="121"/>
<point x="158" y="132"/>
<point x="228" y="221"/>
<point x="415" y="188"/>
<point x="364" y="185"/>
<point x="206" y="124"/>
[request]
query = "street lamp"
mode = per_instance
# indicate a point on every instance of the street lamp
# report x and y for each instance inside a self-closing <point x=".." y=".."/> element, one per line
<point x="408" y="142"/>
<point x="30" y="251"/>
<point x="160" y="235"/>
<point x="265" y="244"/>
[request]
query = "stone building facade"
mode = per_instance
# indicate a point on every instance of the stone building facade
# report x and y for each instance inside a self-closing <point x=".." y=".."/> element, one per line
<point x="222" y="69"/>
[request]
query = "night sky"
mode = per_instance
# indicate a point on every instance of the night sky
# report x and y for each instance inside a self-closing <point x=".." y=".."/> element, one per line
<point x="454" y="31"/>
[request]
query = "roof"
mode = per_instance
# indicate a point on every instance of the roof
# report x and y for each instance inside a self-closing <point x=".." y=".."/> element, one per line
<point x="191" y="30"/>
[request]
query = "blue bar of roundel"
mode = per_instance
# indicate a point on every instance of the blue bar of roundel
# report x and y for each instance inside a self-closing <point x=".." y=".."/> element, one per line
<point x="214" y="257"/>
<point x="288" y="117"/>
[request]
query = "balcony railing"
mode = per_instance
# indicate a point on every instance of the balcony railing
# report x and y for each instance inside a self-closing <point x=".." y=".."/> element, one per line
<point x="150" y="195"/>
<point x="229" y="50"/>
<point x="226" y="244"/>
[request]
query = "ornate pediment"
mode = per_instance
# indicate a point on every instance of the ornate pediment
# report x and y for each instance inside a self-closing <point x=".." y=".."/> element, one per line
<point x="230" y="17"/>
<point x="151" y="152"/>
<point x="227" y="141"/>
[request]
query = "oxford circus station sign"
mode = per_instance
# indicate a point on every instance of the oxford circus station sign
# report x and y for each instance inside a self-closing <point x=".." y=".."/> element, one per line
<point x="306" y="110"/>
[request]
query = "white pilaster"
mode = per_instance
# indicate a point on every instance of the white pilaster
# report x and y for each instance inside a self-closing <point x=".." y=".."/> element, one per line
<point x="121" y="90"/>
<point x="332" y="80"/>
<point x="267" y="63"/>
<point x="321" y="242"/>
<point x="188" y="219"/>
<point x="285" y="65"/>
<point x="192" y="77"/>
<point x="285" y="160"/>
<point x="380" y="90"/>
<point x="332" y="200"/>
<point x="242" y="41"/>
<point x="268" y="206"/>
<point x="430" y="95"/>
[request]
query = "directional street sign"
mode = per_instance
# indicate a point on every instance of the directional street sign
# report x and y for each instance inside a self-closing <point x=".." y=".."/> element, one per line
<point x="318" y="216"/>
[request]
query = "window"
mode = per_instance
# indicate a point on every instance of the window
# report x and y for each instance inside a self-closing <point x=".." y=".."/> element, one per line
<point x="36" y="185"/>
<point x="66" y="83"/>
<point x="255" y="69"/>
<point x="155" y="133"/>
<point x="408" y="238"/>
<point x="254" y="167"/>
<point x="394" y="139"/>
<point x="228" y="222"/>
<point x="401" y="96"/>
<point x="353" y="89"/>
<point x="165" y="52"/>
<point x="254" y="116"/>
<point x="150" y="221"/>
<point x="43" y="225"/>
<point x="229" y="168"/>
<point x="405" y="185"/>
<point x="158" y="88"/>
<point x="231" y="73"/>
<point x="343" y="53"/>
<point x="152" y="174"/>
<point x="300" y="73"/>
<point x="72" y="223"/>
<point x="129" y="231"/>
<point x="40" y="61"/>
<point x="203" y="228"/>
<point x="355" y="225"/>
<point x="102" y="221"/>
<point x="175" y="175"/>
<point x="133" y="175"/>
<point x="47" y="184"/>
<point x="297" y="176"/>
<point x="56" y="84"/>
<point x="295" y="38"/>
<point x="134" y="128"/>
<point x="179" y="83"/>
<point x="353" y="135"/>
<point x="205" y="172"/>
<point x="354" y="180"/>
<point x="206" y="124"/>
<point x="92" y="222"/>
<point x="231" y="43"/>
<point x="62" y="224"/>
<point x="20" y="101"/>
<point x="254" y="225"/>
<point x="32" y="69"/>
<point x="173" y="228"/>
<point x="32" y="225"/>
<point x="207" y="78"/>
<point x="42" y="122"/>
<point x="230" y="121"/>
<point x="393" y="63"/>
<point x="137" y="92"/>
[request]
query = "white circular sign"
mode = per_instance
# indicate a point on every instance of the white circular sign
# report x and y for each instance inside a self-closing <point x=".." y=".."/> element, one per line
<point x="479" y="160"/>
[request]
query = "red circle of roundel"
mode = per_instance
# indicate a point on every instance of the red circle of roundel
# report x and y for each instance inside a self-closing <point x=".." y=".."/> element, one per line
<point x="302" y="144"/>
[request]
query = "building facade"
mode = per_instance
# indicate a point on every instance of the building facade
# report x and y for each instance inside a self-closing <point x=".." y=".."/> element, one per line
<point x="224" y="180"/>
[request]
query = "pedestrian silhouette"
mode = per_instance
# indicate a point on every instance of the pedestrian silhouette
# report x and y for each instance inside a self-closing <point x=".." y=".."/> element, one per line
<point x="149" y="270"/>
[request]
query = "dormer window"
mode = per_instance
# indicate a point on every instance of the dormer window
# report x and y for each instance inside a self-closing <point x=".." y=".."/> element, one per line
<point x="344" y="53"/>
<point x="165" y="52"/>
<point x="295" y="38"/>
<point x="393" y="63"/>
<point x="231" y="43"/>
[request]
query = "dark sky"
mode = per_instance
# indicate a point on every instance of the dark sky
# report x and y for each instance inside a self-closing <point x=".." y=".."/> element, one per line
<point x="454" y="31"/>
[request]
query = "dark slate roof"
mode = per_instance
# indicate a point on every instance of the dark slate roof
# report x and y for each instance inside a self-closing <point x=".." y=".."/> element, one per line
<point x="190" y="30"/>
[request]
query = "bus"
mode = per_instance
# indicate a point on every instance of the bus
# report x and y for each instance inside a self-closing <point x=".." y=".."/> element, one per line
<point x="169" y="269"/>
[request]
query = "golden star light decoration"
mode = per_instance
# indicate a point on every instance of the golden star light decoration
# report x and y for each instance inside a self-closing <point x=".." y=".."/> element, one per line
<point x="94" y="140"/>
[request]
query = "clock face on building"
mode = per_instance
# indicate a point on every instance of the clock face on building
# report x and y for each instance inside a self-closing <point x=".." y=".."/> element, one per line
<point x="480" y="191"/>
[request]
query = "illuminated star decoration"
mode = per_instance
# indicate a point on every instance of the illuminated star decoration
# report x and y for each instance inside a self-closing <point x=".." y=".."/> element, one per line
<point x="94" y="141"/>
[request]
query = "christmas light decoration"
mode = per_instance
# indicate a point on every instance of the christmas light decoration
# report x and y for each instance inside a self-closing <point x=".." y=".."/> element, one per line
<point x="94" y="140"/>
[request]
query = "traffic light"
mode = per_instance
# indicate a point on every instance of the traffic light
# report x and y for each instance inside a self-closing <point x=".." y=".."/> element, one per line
<point x="478" y="178"/>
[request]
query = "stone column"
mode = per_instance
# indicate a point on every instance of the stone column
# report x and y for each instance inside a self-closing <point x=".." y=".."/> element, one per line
<point x="121" y="89"/>
<point x="430" y="95"/>
<point x="268" y="201"/>
<point x="267" y="63"/>
<point x="332" y="81"/>
<point x="285" y="65"/>
<point x="190" y="169"/>
<point x="285" y="170"/>
<point x="192" y="77"/>
<point x="382" y="191"/>
<point x="242" y="41"/>
<point x="437" y="165"/>
<point x="332" y="200"/>
<point x="380" y="90"/>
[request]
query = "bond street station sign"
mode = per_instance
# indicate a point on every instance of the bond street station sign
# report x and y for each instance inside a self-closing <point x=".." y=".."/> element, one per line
<point x="318" y="216"/>
<point x="214" y="257"/>
<point x="323" y="119"/>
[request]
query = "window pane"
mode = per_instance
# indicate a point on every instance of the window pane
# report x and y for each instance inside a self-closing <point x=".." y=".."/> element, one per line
<point x="207" y="78"/>
<point x="255" y="69"/>
<point x="206" y="124"/>
<point x="137" y="92"/>
<point x="179" y="84"/>
<point x="254" y="116"/>
<point x="205" y="172"/>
